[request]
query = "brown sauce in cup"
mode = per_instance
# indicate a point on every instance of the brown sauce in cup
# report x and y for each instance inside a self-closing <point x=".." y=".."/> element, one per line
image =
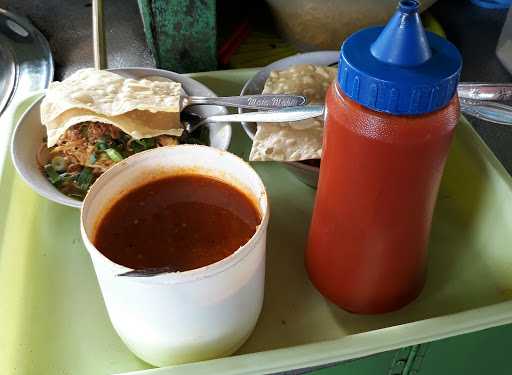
<point x="183" y="222"/>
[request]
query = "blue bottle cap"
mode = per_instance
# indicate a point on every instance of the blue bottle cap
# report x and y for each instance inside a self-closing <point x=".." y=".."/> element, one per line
<point x="400" y="68"/>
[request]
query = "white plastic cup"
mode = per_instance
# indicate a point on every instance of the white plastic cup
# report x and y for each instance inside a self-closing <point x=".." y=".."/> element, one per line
<point x="186" y="316"/>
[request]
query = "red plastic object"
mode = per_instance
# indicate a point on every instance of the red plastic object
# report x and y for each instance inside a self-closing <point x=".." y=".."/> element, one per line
<point x="233" y="43"/>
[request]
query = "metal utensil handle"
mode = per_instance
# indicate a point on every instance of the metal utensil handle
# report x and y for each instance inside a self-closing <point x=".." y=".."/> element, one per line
<point x="98" y="35"/>
<point x="251" y="101"/>
<point x="281" y="115"/>
<point x="485" y="91"/>
<point x="148" y="272"/>
<point x="488" y="111"/>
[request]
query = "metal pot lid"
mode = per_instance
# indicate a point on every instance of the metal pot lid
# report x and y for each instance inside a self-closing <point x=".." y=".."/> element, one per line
<point x="26" y="63"/>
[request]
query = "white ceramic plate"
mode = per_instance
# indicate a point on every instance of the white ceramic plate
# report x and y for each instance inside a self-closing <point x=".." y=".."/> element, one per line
<point x="29" y="133"/>
<point x="306" y="173"/>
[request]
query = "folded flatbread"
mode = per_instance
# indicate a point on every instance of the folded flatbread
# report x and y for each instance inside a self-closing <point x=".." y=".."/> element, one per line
<point x="141" y="108"/>
<point x="300" y="140"/>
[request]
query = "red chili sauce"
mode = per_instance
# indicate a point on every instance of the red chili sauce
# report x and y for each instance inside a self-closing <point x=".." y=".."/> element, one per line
<point x="185" y="222"/>
<point x="378" y="184"/>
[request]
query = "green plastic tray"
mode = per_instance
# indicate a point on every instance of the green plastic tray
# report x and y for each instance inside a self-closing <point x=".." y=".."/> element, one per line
<point x="53" y="320"/>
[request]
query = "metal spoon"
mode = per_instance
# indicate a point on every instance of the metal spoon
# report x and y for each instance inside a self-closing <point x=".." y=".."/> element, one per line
<point x="191" y="121"/>
<point x="264" y="101"/>
<point x="485" y="91"/>
<point x="148" y="272"/>
<point x="497" y="113"/>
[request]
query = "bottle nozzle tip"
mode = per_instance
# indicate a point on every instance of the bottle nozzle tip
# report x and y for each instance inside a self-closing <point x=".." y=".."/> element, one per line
<point x="409" y="6"/>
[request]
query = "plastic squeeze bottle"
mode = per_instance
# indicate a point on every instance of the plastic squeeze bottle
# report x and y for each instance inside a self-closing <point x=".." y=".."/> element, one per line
<point x="390" y="119"/>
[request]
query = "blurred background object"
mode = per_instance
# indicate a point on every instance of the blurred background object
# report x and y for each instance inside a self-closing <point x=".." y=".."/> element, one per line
<point x="67" y="26"/>
<point x="186" y="35"/>
<point x="504" y="47"/>
<point x="492" y="4"/>
<point x="181" y="34"/>
<point x="323" y="24"/>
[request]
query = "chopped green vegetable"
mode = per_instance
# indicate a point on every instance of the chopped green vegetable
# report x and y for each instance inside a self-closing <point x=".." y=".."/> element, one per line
<point x="59" y="163"/>
<point x="101" y="145"/>
<point x="113" y="154"/>
<point x="84" y="179"/>
<point x="84" y="131"/>
<point x="92" y="158"/>
<point x="136" y="146"/>
<point x="52" y="174"/>
<point x="147" y="142"/>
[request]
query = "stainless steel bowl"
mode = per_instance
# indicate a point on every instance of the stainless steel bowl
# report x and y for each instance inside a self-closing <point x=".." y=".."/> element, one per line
<point x="308" y="174"/>
<point x="26" y="63"/>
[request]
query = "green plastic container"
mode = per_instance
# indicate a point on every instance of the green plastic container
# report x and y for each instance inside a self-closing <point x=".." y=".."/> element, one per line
<point x="53" y="320"/>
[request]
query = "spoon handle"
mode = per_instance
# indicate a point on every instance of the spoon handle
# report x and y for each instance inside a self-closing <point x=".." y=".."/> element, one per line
<point x="489" y="111"/>
<point x="485" y="91"/>
<point x="279" y="115"/>
<point x="249" y="101"/>
<point x="148" y="272"/>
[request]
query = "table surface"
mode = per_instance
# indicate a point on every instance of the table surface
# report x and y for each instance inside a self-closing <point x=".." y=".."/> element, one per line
<point x="475" y="31"/>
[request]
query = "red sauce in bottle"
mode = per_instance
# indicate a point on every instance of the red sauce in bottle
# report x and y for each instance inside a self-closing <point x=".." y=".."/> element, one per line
<point x="378" y="185"/>
<point x="390" y="119"/>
